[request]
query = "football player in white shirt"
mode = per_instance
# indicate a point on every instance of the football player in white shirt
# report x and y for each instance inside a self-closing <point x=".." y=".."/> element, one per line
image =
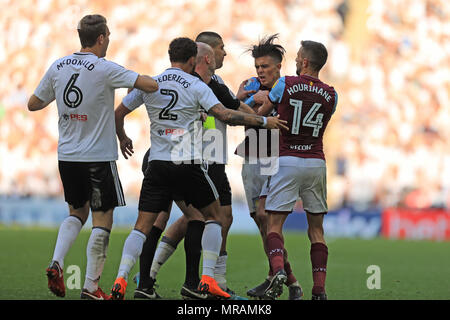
<point x="173" y="167"/>
<point x="208" y="62"/>
<point x="83" y="85"/>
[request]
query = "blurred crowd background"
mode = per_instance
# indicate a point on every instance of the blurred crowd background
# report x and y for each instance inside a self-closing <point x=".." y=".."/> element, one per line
<point x="389" y="60"/>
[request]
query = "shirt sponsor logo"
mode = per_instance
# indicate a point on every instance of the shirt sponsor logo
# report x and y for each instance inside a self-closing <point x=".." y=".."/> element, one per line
<point x="301" y="147"/>
<point x="78" y="117"/>
<point x="171" y="131"/>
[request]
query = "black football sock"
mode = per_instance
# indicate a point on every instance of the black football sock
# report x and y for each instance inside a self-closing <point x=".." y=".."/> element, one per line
<point x="146" y="258"/>
<point x="193" y="250"/>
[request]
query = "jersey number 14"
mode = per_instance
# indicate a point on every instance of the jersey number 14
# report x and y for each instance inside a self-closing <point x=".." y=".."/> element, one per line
<point x="308" y="120"/>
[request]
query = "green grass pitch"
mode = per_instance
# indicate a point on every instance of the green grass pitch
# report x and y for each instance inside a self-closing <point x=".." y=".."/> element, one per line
<point x="408" y="269"/>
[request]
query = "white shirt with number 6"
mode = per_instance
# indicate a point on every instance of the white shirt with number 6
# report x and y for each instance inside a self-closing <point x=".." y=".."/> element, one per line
<point x="83" y="86"/>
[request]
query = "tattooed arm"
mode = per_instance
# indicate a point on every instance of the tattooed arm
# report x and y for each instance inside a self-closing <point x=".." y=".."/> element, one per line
<point x="233" y="117"/>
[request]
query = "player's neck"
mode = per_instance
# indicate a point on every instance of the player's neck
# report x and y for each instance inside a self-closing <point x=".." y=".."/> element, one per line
<point x="93" y="50"/>
<point x="183" y="66"/>
<point x="310" y="73"/>
<point x="204" y="73"/>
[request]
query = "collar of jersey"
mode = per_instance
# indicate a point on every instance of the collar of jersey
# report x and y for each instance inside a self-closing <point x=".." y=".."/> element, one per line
<point x="83" y="53"/>
<point x="174" y="68"/>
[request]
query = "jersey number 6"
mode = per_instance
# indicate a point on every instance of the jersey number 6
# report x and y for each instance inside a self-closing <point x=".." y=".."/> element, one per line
<point x="72" y="94"/>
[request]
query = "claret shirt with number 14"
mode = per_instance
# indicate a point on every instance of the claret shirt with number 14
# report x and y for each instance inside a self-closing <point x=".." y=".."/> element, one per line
<point x="83" y="86"/>
<point x="307" y="104"/>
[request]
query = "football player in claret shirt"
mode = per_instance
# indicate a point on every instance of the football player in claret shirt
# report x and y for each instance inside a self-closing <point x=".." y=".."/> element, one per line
<point x="83" y="85"/>
<point x="268" y="57"/>
<point x="307" y="104"/>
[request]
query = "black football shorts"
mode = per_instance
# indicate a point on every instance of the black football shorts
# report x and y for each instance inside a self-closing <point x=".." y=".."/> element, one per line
<point x="216" y="172"/>
<point x="96" y="182"/>
<point x="164" y="179"/>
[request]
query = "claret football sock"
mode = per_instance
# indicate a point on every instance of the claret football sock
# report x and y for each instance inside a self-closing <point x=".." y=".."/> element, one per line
<point x="290" y="275"/>
<point x="68" y="232"/>
<point x="271" y="273"/>
<point x="319" y="257"/>
<point x="96" y="250"/>
<point x="146" y="257"/>
<point x="275" y="247"/>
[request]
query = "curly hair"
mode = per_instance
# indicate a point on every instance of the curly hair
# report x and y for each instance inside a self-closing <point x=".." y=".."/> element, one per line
<point x="182" y="49"/>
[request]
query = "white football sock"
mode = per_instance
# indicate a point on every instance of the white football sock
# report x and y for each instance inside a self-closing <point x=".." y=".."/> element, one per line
<point x="68" y="232"/>
<point x="220" y="271"/>
<point x="131" y="251"/>
<point x="162" y="254"/>
<point x="211" y="242"/>
<point x="96" y="254"/>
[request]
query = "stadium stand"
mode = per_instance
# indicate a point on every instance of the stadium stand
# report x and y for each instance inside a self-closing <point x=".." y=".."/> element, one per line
<point x="388" y="142"/>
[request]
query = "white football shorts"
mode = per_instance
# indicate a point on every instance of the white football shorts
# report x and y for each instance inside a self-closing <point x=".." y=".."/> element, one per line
<point x="253" y="184"/>
<point x="298" y="177"/>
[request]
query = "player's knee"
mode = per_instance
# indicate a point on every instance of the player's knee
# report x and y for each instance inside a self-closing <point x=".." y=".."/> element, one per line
<point x="227" y="216"/>
<point x="212" y="211"/>
<point x="161" y="220"/>
<point x="80" y="213"/>
<point x="195" y="215"/>
<point x="315" y="234"/>
<point x="103" y="219"/>
<point x="145" y="222"/>
<point x="261" y="217"/>
<point x="228" y="221"/>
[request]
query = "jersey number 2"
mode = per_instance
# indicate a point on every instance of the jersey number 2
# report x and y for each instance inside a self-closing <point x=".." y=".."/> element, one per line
<point x="165" y="112"/>
<point x="308" y="120"/>
<point x="72" y="94"/>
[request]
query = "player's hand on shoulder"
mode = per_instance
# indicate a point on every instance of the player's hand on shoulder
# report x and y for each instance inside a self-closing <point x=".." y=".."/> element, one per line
<point x="276" y="123"/>
<point x="243" y="94"/>
<point x="261" y="96"/>
<point x="126" y="146"/>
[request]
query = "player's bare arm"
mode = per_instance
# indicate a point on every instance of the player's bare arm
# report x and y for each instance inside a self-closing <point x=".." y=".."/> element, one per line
<point x="126" y="144"/>
<point x="245" y="108"/>
<point x="233" y="117"/>
<point x="266" y="107"/>
<point x="35" y="103"/>
<point x="146" y="84"/>
<point x="260" y="96"/>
